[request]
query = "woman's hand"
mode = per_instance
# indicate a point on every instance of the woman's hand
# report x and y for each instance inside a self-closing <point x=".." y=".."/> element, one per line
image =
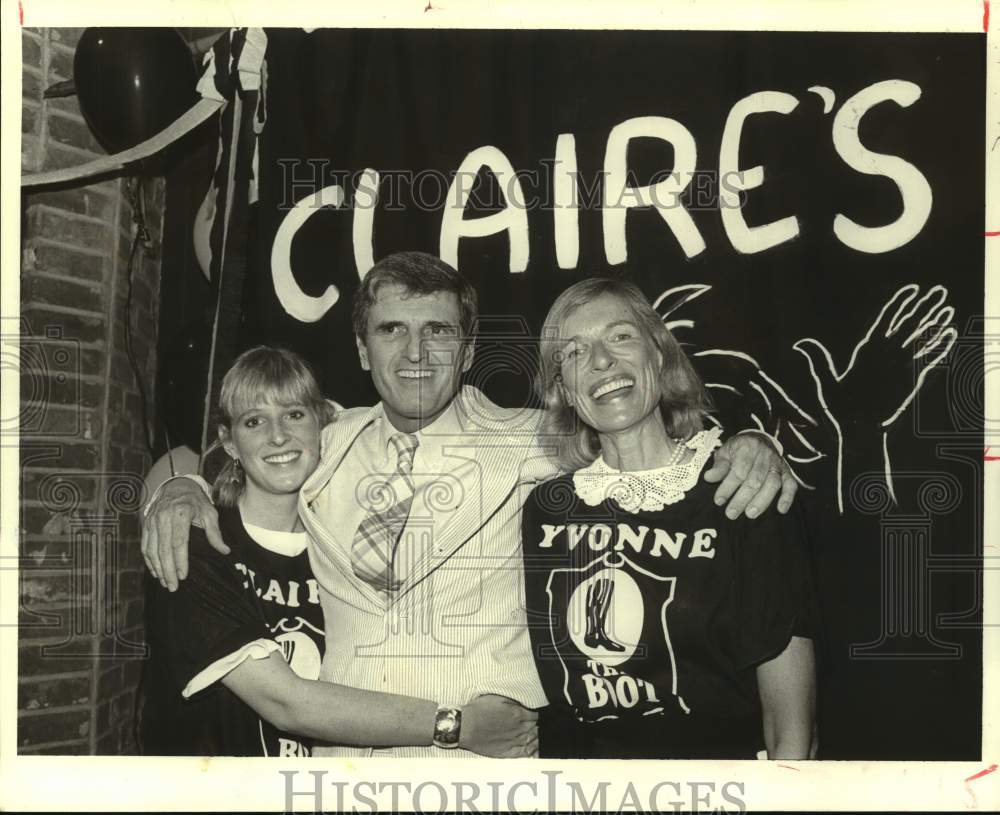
<point x="499" y="727"/>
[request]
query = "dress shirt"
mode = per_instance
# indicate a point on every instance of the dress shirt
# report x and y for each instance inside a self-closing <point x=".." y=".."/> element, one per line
<point x="457" y="627"/>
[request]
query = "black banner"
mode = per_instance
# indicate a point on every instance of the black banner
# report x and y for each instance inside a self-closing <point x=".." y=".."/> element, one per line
<point x="804" y="209"/>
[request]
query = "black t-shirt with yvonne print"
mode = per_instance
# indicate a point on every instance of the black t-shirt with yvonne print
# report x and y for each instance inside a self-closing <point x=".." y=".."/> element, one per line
<point x="646" y="628"/>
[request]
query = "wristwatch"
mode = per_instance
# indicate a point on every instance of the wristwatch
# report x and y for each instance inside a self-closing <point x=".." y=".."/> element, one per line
<point x="447" y="727"/>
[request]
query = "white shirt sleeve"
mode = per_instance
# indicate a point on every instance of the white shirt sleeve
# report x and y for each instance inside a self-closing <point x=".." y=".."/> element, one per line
<point x="258" y="649"/>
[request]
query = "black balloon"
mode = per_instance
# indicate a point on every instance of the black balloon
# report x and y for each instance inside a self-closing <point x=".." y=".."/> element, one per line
<point x="132" y="82"/>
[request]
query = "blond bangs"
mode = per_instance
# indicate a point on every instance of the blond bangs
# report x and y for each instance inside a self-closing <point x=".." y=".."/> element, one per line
<point x="275" y="376"/>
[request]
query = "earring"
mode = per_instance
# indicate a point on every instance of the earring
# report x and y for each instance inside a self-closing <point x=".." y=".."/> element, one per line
<point x="237" y="476"/>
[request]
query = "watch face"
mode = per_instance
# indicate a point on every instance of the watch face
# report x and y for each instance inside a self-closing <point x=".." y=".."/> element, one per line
<point x="447" y="724"/>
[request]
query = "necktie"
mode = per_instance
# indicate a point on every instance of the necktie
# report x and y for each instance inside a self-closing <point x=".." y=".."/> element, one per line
<point x="374" y="545"/>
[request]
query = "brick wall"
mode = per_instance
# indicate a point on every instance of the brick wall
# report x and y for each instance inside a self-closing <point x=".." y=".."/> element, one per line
<point x="83" y="449"/>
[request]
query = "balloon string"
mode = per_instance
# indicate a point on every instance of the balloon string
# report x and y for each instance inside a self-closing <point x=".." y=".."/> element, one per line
<point x="136" y="198"/>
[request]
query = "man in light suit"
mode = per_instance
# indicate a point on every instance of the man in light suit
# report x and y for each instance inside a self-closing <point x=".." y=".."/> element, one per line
<point x="414" y="510"/>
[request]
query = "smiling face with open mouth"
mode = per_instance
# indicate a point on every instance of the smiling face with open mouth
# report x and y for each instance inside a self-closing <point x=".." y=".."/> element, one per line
<point x="277" y="445"/>
<point x="610" y="369"/>
<point x="416" y="353"/>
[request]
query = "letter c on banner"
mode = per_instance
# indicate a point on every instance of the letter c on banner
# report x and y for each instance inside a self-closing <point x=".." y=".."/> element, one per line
<point x="296" y="302"/>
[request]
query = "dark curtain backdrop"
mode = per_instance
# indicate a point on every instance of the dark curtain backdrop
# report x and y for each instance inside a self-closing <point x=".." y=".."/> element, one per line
<point x="899" y="583"/>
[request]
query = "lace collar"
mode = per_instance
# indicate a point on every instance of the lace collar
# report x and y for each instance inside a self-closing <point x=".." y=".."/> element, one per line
<point x="645" y="490"/>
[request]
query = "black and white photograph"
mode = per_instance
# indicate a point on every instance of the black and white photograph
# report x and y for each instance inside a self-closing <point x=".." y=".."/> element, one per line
<point x="404" y="384"/>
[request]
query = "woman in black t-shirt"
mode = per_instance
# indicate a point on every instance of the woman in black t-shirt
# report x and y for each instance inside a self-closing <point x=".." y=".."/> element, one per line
<point x="244" y="632"/>
<point x="660" y="628"/>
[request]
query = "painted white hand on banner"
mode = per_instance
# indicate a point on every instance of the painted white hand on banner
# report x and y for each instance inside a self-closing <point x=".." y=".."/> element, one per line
<point x="910" y="336"/>
<point x="742" y="390"/>
<point x="739" y="386"/>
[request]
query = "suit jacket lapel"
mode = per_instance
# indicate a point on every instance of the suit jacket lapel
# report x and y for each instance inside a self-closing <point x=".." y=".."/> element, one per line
<point x="496" y="459"/>
<point x="338" y="437"/>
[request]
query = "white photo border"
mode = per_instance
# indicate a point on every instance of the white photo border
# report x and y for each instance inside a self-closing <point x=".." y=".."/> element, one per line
<point x="177" y="784"/>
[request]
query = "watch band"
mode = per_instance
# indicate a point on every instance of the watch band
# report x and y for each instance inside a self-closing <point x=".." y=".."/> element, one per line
<point x="447" y="727"/>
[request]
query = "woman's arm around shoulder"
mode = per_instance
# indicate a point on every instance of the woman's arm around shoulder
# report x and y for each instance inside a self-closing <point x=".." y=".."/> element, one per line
<point x="491" y="725"/>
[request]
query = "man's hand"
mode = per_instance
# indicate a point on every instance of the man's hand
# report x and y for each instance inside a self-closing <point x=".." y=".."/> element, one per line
<point x="752" y="473"/>
<point x="166" y="527"/>
<point x="499" y="727"/>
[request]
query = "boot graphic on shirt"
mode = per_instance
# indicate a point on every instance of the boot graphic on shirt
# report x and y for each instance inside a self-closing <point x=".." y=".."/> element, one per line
<point x="599" y="595"/>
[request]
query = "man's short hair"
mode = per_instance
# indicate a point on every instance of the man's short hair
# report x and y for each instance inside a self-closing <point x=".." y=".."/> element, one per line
<point x="419" y="274"/>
